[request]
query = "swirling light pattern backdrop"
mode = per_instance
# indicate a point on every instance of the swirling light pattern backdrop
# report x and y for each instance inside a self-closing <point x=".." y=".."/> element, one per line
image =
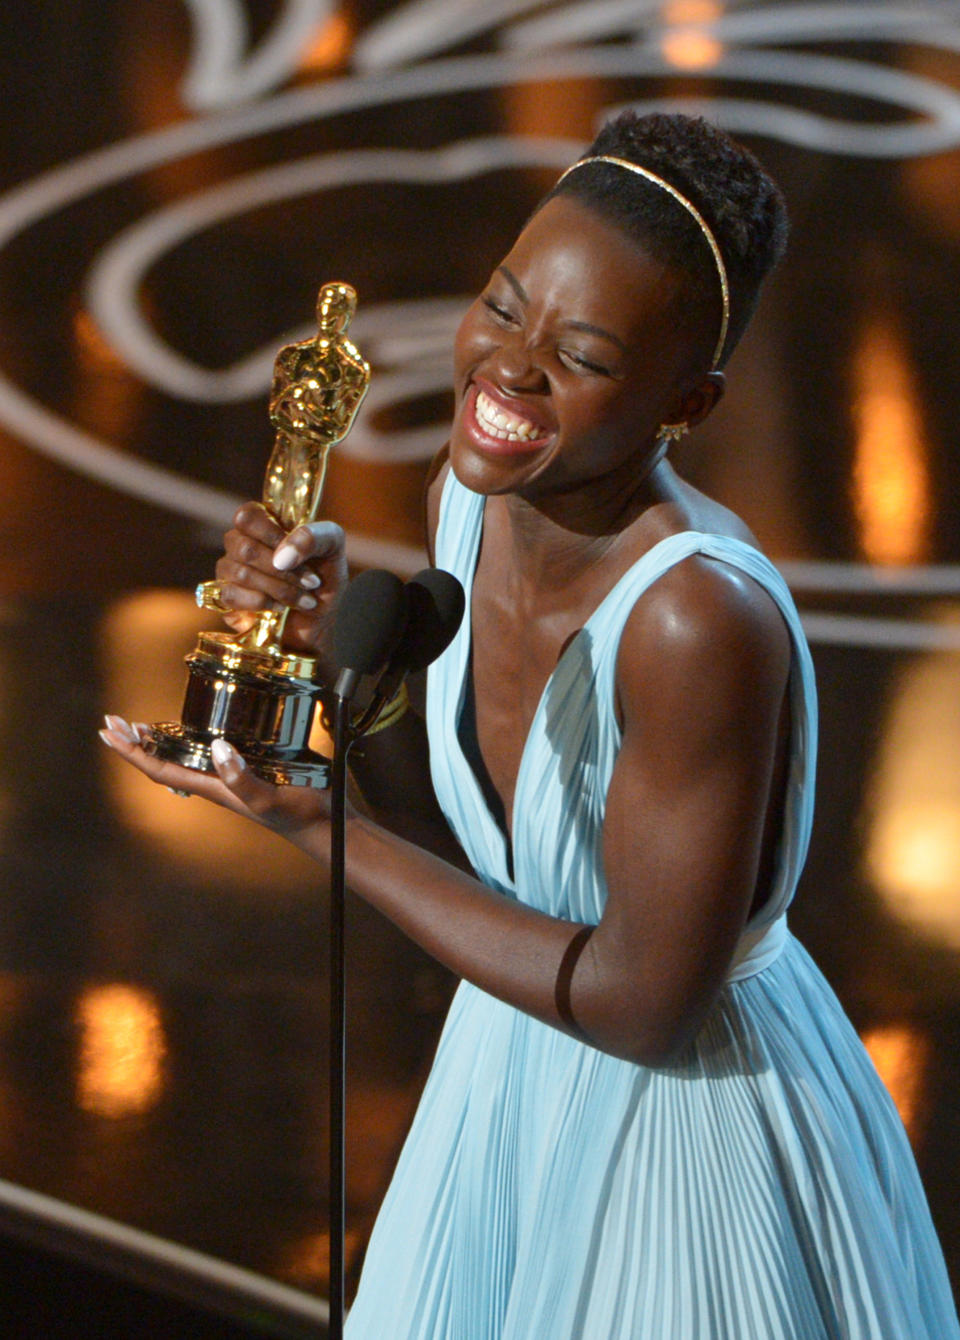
<point x="178" y="179"/>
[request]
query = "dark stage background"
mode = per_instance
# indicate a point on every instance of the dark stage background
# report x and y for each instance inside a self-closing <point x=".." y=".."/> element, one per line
<point x="178" y="180"/>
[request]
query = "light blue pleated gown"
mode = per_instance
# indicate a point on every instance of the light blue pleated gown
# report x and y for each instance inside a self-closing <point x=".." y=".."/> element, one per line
<point x="761" y="1188"/>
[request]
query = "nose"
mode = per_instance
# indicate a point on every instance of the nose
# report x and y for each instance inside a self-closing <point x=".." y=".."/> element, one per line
<point x="518" y="367"/>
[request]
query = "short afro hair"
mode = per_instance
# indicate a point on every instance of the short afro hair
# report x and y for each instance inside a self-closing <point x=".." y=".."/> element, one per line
<point x="741" y="203"/>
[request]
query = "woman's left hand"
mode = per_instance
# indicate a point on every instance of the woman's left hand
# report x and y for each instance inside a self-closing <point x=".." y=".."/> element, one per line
<point x="291" y="811"/>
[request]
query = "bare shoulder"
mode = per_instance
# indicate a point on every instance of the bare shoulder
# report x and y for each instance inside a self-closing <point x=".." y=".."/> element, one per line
<point x="704" y="632"/>
<point x="702" y="600"/>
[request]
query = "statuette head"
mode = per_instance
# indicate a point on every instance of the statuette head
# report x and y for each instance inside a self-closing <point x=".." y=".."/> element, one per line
<point x="336" y="304"/>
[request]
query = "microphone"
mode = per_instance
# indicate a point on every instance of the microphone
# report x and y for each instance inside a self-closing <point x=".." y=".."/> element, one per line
<point x="435" y="604"/>
<point x="370" y="620"/>
<point x="379" y="622"/>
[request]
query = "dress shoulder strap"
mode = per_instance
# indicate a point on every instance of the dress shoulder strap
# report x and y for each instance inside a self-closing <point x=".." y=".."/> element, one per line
<point x="459" y="529"/>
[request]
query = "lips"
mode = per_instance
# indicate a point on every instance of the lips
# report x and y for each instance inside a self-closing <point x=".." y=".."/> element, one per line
<point x="498" y="425"/>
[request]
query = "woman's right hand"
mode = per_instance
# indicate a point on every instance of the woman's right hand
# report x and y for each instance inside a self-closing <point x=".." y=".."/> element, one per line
<point x="266" y="568"/>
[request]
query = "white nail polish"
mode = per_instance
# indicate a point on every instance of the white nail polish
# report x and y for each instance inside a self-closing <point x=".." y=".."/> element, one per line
<point x="224" y="753"/>
<point x="310" y="581"/>
<point x="286" y="557"/>
<point x="307" y="603"/>
<point x="121" y="727"/>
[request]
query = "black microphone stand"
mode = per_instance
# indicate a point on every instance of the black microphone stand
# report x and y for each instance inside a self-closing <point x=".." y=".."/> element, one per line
<point x="343" y="738"/>
<point x="427" y="611"/>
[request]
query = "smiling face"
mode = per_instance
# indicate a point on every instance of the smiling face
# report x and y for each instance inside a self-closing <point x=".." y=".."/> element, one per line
<point x="567" y="364"/>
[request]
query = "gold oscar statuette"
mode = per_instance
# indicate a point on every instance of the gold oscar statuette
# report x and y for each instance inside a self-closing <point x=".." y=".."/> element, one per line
<point x="248" y="689"/>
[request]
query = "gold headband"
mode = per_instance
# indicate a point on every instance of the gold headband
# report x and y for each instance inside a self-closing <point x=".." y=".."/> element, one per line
<point x="694" y="214"/>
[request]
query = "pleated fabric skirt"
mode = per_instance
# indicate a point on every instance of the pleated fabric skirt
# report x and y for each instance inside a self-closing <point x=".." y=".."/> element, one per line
<point x="761" y="1188"/>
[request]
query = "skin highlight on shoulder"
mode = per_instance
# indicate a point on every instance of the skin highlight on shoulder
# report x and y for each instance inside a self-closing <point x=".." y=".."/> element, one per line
<point x="703" y="626"/>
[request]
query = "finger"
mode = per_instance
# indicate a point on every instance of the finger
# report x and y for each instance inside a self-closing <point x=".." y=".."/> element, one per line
<point x="129" y="732"/>
<point x="240" y="621"/>
<point x="284" y="809"/>
<point x="323" y="541"/>
<point x="246" y="588"/>
<point x="249" y="552"/>
<point x="253" y="520"/>
<point x="188" y="780"/>
<point x="250" y="790"/>
<point x="243" y="548"/>
<point x="252" y="554"/>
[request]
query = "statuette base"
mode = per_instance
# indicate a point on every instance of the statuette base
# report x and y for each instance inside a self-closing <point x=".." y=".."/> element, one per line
<point x="254" y="703"/>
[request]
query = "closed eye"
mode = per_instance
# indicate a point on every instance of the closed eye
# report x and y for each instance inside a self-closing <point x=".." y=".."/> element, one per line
<point x="579" y="363"/>
<point x="501" y="313"/>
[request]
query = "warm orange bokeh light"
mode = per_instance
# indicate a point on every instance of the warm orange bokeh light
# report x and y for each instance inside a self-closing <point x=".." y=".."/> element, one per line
<point x="679" y="12"/>
<point x="144" y="639"/>
<point x="912" y="844"/>
<point x="913" y="797"/>
<point x="891" y="477"/>
<point x="901" y="1054"/>
<point x="122" y="1051"/>
<point x="306" y="1263"/>
<point x="687" y="43"/>
<point x="330" y="45"/>
<point x="94" y="349"/>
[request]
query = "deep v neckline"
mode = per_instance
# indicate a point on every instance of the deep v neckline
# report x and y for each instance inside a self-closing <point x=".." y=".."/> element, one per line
<point x="467" y="734"/>
<point x="570" y="750"/>
<point x="507" y="829"/>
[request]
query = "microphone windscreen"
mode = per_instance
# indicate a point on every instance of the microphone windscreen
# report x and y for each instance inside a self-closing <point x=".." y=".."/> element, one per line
<point x="435" y="605"/>
<point x="370" y="619"/>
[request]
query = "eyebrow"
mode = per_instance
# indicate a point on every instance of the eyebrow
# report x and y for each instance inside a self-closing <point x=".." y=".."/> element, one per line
<point x="585" y="326"/>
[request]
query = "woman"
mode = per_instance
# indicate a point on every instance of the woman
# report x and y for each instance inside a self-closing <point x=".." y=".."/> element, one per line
<point x="648" y="1116"/>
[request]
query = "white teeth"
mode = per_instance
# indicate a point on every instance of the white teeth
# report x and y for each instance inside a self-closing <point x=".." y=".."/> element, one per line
<point x="494" y="421"/>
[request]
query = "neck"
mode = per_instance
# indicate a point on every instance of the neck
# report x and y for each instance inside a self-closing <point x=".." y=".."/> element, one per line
<point x="557" y="536"/>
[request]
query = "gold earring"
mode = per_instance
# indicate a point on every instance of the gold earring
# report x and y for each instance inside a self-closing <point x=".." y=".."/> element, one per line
<point x="672" y="432"/>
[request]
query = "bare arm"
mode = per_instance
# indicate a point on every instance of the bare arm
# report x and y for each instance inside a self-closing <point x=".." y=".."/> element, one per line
<point x="702" y="671"/>
<point x="702" y="679"/>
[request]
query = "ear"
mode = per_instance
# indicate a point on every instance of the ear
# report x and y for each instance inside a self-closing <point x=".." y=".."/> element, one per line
<point x="698" y="401"/>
